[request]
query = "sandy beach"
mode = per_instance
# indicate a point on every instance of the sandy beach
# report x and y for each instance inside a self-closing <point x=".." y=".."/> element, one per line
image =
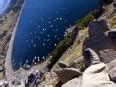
<point x="8" y="65"/>
<point x="21" y="73"/>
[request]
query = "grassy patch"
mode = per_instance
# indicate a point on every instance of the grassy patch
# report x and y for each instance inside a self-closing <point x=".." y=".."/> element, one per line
<point x="1" y="76"/>
<point x="113" y="23"/>
<point x="62" y="47"/>
<point x="69" y="39"/>
<point x="85" y="21"/>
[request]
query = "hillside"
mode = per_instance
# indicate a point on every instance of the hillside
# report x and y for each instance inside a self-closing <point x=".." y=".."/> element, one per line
<point x="97" y="35"/>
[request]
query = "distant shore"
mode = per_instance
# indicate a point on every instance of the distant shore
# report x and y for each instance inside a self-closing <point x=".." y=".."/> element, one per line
<point x="9" y="72"/>
<point x="8" y="61"/>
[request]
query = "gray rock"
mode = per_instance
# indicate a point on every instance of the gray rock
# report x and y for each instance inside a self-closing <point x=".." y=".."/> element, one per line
<point x="67" y="74"/>
<point x="112" y="69"/>
<point x="107" y="55"/>
<point x="98" y="27"/>
<point x="63" y="64"/>
<point x="103" y="40"/>
<point x="112" y="38"/>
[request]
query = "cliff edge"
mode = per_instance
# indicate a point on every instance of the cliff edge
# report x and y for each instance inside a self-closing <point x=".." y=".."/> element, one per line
<point x="100" y="36"/>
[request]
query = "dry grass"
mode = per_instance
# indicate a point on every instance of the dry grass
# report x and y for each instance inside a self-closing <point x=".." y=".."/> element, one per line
<point x="75" y="50"/>
<point x="1" y="76"/>
<point x="113" y="23"/>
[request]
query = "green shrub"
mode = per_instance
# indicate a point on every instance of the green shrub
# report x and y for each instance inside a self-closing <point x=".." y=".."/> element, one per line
<point x="62" y="47"/>
<point x="85" y="21"/>
<point x="68" y="40"/>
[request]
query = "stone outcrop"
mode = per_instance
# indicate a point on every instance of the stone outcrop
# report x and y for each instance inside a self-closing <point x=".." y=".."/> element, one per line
<point x="112" y="69"/>
<point x="67" y="74"/>
<point x="103" y="40"/>
<point x="107" y="55"/>
<point x="98" y="27"/>
<point x="97" y="39"/>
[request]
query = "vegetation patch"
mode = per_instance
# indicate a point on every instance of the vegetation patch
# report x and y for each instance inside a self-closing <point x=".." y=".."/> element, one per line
<point x="113" y="23"/>
<point x="85" y="21"/>
<point x="62" y="47"/>
<point x="69" y="39"/>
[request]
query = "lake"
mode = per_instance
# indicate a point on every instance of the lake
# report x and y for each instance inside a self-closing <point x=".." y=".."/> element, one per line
<point x="42" y="26"/>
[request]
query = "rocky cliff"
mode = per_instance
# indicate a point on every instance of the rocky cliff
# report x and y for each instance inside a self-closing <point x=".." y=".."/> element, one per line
<point x="101" y="37"/>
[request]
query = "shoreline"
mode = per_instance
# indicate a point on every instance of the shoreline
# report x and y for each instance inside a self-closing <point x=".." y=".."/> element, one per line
<point x="22" y="73"/>
<point x="67" y="61"/>
<point x="9" y="71"/>
<point x="8" y="65"/>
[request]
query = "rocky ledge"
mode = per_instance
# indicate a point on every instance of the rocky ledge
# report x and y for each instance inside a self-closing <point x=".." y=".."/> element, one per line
<point x="100" y="35"/>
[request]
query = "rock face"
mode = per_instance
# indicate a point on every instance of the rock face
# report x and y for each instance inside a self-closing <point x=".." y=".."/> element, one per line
<point x="103" y="40"/>
<point x="67" y="74"/>
<point x="98" y="27"/>
<point x="107" y="55"/>
<point x="112" y="69"/>
<point x="97" y="39"/>
<point x="112" y="38"/>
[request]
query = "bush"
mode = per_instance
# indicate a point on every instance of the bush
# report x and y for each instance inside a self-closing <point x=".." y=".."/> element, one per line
<point x="62" y="47"/>
<point x="85" y="21"/>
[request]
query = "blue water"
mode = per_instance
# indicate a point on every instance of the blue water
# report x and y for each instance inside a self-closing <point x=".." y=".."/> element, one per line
<point x="43" y="24"/>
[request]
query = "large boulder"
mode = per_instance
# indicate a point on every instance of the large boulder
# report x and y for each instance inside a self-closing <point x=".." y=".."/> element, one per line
<point x="103" y="41"/>
<point x="67" y="74"/>
<point x="63" y="64"/>
<point x="112" y="69"/>
<point x="98" y="27"/>
<point x="112" y="38"/>
<point x="107" y="55"/>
